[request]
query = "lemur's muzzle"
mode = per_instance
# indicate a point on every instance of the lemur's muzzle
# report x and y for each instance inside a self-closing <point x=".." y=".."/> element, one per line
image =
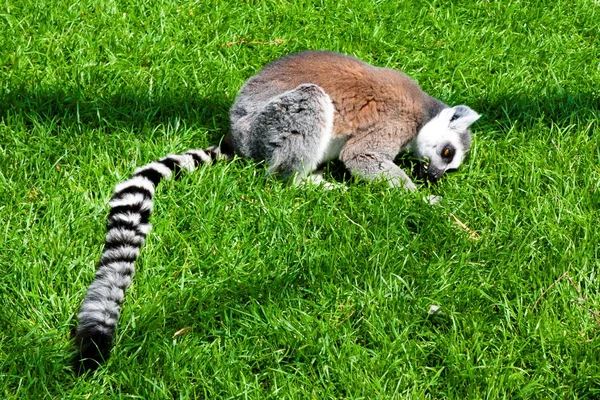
<point x="433" y="173"/>
<point x="428" y="172"/>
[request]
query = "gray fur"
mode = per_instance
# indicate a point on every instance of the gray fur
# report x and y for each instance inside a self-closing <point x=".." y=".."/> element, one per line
<point x="375" y="166"/>
<point x="286" y="131"/>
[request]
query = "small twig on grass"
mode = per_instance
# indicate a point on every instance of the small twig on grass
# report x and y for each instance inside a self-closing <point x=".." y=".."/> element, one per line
<point x="546" y="291"/>
<point x="472" y="234"/>
<point x="580" y="297"/>
<point x="256" y="42"/>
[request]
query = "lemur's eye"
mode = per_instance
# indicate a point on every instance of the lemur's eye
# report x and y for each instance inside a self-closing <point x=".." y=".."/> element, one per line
<point x="448" y="152"/>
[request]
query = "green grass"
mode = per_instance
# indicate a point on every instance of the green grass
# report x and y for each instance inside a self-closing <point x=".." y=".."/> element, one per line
<point x="294" y="292"/>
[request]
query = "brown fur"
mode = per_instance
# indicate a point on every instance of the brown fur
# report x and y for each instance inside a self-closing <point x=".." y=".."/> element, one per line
<point x="366" y="98"/>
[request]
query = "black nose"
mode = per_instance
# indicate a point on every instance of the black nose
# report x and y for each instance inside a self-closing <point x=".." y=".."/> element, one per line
<point x="434" y="174"/>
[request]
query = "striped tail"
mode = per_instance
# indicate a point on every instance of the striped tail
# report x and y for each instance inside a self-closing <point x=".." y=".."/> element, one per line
<point x="127" y="227"/>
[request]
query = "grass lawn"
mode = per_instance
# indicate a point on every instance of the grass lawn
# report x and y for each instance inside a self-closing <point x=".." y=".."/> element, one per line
<point x="248" y="288"/>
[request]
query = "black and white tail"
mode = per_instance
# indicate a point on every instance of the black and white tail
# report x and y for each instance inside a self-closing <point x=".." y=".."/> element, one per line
<point x="127" y="227"/>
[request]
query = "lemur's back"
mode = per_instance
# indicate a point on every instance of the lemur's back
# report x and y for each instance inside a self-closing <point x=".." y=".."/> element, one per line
<point x="361" y="93"/>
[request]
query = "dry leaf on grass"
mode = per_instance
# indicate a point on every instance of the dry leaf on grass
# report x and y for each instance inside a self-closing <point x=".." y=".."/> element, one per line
<point x="255" y="42"/>
<point x="472" y="234"/>
<point x="182" y="331"/>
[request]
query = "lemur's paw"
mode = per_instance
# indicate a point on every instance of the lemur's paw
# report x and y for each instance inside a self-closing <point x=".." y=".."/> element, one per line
<point x="433" y="200"/>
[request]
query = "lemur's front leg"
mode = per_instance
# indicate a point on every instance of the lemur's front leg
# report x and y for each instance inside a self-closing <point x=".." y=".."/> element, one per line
<point x="372" y="156"/>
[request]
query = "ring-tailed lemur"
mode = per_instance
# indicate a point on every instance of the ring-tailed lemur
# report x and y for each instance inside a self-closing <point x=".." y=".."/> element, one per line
<point x="299" y="111"/>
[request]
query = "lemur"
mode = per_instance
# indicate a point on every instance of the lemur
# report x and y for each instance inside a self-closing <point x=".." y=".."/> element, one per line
<point x="298" y="112"/>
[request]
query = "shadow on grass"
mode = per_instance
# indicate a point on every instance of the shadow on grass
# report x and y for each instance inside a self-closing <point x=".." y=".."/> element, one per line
<point x="136" y="109"/>
<point x="559" y="108"/>
<point x="126" y="109"/>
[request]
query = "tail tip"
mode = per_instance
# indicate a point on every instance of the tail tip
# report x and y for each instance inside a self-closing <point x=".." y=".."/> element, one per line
<point x="92" y="350"/>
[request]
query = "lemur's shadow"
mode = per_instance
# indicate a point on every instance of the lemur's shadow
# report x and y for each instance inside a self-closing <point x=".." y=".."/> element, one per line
<point x="128" y="109"/>
<point x="503" y="109"/>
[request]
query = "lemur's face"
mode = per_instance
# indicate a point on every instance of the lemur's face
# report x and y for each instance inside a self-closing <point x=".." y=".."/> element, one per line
<point x="444" y="141"/>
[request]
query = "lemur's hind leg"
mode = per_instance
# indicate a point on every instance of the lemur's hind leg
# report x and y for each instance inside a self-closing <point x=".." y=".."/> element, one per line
<point x="293" y="131"/>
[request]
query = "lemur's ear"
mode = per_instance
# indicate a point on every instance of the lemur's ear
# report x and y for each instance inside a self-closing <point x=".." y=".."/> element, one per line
<point x="461" y="117"/>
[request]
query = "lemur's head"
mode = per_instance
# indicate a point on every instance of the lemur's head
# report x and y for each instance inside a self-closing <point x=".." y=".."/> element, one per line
<point x="445" y="141"/>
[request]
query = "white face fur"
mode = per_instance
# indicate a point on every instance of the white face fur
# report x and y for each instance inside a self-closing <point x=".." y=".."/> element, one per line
<point x="445" y="140"/>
